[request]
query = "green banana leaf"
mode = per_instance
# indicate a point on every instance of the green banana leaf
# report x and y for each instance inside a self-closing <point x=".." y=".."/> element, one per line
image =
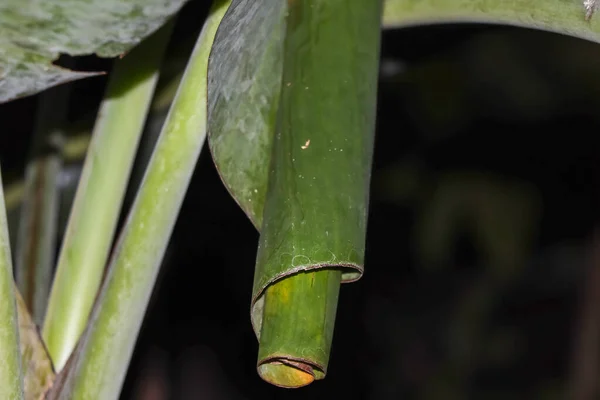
<point x="246" y="65"/>
<point x="325" y="116"/>
<point x="35" y="32"/>
<point x="314" y="219"/>
<point x="262" y="134"/>
<point x="560" y="16"/>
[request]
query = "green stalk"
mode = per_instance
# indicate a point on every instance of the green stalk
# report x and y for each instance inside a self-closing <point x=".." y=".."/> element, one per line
<point x="13" y="199"/>
<point x="75" y="144"/>
<point x="99" y="368"/>
<point x="100" y="194"/>
<point x="315" y="214"/>
<point x="37" y="225"/>
<point x="156" y="120"/>
<point x="11" y="377"/>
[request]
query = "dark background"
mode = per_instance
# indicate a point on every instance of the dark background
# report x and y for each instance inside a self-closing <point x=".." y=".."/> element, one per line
<point x="480" y="246"/>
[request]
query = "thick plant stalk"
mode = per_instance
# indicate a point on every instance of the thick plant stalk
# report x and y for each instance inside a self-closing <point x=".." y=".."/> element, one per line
<point x="158" y="113"/>
<point x="314" y="221"/>
<point x="39" y="212"/>
<point x="100" y="364"/>
<point x="100" y="194"/>
<point x="11" y="377"/>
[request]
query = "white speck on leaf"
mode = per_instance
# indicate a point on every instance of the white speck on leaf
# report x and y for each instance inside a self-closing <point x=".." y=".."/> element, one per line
<point x="590" y="8"/>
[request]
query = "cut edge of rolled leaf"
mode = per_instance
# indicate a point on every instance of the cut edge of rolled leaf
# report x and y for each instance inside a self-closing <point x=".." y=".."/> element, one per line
<point x="288" y="372"/>
<point x="281" y="363"/>
<point x="351" y="272"/>
<point x="280" y="368"/>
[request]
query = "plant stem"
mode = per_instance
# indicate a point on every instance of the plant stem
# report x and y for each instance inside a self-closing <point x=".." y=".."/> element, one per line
<point x="39" y="212"/>
<point x="100" y="194"/>
<point x="99" y="367"/>
<point x="11" y="377"/>
<point x="156" y="120"/>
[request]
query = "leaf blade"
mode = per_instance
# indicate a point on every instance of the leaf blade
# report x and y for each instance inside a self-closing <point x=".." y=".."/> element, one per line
<point x="35" y="32"/>
<point x="564" y="17"/>
<point x="243" y="92"/>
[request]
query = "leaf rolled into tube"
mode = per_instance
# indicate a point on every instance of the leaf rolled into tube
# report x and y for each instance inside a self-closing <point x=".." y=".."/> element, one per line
<point x="315" y="213"/>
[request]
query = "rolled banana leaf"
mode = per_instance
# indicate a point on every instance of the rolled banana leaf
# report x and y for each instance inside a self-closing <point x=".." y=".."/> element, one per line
<point x="291" y="109"/>
<point x="313" y="214"/>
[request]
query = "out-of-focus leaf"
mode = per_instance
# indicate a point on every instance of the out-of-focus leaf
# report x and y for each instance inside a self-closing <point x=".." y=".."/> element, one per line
<point x="500" y="215"/>
<point x="37" y="368"/>
<point x="36" y="243"/>
<point x="33" y="33"/>
<point x="565" y="17"/>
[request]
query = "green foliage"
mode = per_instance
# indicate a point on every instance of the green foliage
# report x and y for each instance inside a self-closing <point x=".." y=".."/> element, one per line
<point x="100" y="193"/>
<point x="100" y="363"/>
<point x="565" y="17"/>
<point x="35" y="32"/>
<point x="290" y="122"/>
